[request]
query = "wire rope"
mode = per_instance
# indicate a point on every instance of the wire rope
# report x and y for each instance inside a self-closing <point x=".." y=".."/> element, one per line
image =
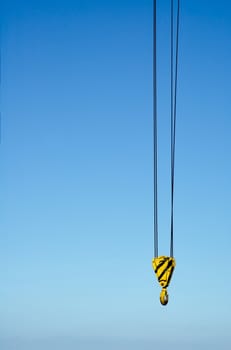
<point x="155" y="133"/>
<point x="173" y="88"/>
<point x="174" y="80"/>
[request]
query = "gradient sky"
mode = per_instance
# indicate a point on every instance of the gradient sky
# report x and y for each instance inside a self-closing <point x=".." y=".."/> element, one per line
<point x="76" y="176"/>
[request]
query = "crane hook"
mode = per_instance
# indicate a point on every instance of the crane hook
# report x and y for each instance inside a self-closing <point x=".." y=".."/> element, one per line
<point x="163" y="267"/>
<point x="164" y="296"/>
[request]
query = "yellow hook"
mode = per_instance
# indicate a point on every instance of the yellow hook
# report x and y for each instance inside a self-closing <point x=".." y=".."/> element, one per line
<point x="164" y="296"/>
<point x="164" y="267"/>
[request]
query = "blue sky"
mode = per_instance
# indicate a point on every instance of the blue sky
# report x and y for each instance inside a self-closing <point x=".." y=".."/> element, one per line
<point x="76" y="190"/>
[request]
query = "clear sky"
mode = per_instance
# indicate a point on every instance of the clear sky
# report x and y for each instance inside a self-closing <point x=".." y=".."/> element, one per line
<point x="76" y="179"/>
